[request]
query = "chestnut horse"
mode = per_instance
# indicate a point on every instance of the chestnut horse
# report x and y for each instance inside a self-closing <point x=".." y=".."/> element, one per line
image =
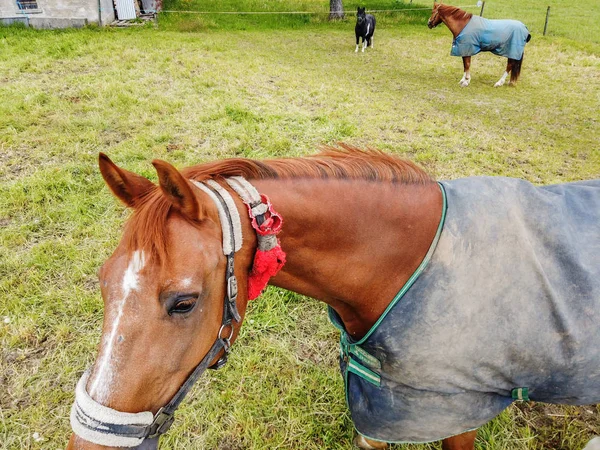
<point x="358" y="227"/>
<point x="473" y="34"/>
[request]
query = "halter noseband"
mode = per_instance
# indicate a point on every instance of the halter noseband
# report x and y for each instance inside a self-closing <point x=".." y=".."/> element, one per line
<point x="101" y="425"/>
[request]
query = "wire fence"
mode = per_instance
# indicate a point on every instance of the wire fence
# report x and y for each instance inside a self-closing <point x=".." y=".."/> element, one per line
<point x="575" y="21"/>
<point x="305" y="12"/>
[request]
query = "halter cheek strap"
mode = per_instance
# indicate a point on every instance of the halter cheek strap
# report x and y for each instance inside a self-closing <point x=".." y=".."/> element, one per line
<point x="102" y="425"/>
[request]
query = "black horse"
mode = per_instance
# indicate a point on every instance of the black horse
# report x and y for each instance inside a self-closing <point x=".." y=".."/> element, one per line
<point x="365" y="27"/>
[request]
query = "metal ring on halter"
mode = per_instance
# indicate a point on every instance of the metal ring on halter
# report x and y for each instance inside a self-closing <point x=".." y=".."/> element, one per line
<point x="230" y="334"/>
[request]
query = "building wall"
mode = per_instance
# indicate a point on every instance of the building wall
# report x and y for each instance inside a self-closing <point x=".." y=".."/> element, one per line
<point x="58" y="13"/>
<point x="108" y="12"/>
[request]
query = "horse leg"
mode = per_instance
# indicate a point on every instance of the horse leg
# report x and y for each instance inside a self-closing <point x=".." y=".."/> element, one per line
<point x="465" y="441"/>
<point x="509" y="66"/>
<point x="364" y="43"/>
<point x="466" y="79"/>
<point x="357" y="40"/>
<point x="367" y="444"/>
<point x="371" y="42"/>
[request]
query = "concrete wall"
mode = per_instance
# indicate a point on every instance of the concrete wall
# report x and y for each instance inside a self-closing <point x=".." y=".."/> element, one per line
<point x="58" y="13"/>
<point x="108" y="11"/>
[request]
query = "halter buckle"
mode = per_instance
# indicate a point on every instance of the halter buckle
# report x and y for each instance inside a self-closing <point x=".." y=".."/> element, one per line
<point x="232" y="293"/>
<point x="220" y="363"/>
<point x="161" y="423"/>
<point x="232" y="288"/>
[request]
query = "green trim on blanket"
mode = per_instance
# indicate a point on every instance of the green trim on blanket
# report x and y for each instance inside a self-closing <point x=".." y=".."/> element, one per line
<point x="349" y="348"/>
<point x="410" y="281"/>
<point x="521" y="394"/>
<point x="363" y="372"/>
<point x="365" y="357"/>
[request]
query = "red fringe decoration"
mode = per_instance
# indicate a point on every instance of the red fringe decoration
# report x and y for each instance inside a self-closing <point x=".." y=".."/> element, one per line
<point x="266" y="265"/>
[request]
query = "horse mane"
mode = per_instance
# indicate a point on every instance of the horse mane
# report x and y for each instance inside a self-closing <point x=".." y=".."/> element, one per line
<point x="454" y="11"/>
<point x="147" y="227"/>
<point x="343" y="162"/>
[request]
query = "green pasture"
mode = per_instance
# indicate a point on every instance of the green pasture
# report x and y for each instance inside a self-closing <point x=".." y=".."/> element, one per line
<point x="198" y="88"/>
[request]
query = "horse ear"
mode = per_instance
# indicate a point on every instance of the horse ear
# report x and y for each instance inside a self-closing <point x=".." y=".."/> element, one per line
<point x="125" y="185"/>
<point x="177" y="189"/>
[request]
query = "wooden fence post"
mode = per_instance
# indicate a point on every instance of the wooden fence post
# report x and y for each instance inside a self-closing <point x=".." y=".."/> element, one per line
<point x="546" y="24"/>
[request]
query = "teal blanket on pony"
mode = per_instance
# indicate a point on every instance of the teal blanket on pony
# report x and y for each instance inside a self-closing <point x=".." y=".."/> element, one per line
<point x="501" y="37"/>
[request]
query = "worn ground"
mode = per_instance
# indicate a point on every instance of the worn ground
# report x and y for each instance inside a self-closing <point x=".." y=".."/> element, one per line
<point x="199" y="88"/>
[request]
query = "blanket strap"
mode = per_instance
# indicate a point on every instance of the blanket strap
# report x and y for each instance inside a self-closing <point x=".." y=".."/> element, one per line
<point x="520" y="394"/>
<point x="360" y="362"/>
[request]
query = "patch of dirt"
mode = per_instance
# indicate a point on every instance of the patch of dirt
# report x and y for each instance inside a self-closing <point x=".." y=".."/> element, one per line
<point x="173" y="147"/>
<point x="556" y="424"/>
<point x="92" y="284"/>
<point x="231" y="443"/>
<point x="15" y="363"/>
<point x="319" y="352"/>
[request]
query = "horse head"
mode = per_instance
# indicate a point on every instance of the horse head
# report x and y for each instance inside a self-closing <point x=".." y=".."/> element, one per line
<point x="361" y="15"/>
<point x="435" y="18"/>
<point x="164" y="311"/>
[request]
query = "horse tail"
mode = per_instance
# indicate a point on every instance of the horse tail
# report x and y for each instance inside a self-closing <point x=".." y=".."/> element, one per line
<point x="516" y="70"/>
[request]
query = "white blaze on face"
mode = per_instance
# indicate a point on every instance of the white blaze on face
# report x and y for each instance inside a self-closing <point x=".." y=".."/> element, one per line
<point x="104" y="374"/>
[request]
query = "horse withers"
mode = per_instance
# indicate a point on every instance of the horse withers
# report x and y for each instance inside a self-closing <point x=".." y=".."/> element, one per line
<point x="474" y="34"/>
<point x="365" y="28"/>
<point x="453" y="298"/>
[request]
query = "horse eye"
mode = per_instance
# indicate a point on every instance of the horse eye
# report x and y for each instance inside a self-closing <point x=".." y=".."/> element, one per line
<point x="183" y="305"/>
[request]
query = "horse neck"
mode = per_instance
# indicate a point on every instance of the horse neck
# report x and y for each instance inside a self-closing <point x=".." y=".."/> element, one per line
<point x="352" y="244"/>
<point x="455" y="24"/>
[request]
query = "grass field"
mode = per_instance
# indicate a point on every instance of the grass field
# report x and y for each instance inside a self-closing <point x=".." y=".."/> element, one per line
<point x="200" y="88"/>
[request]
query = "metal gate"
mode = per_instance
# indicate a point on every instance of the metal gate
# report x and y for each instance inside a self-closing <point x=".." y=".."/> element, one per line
<point x="125" y="9"/>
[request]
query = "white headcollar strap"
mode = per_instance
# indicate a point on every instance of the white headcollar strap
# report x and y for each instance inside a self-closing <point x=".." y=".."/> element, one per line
<point x="233" y="213"/>
<point x="89" y="419"/>
<point x="248" y="194"/>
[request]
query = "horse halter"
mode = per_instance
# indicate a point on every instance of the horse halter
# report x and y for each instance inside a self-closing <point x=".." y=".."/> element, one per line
<point x="102" y="425"/>
<point x="434" y="16"/>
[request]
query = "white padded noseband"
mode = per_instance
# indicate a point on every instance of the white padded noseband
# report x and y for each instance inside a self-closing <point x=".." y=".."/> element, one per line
<point x="87" y="411"/>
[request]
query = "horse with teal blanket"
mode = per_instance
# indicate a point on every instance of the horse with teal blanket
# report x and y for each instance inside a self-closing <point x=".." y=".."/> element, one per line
<point x="474" y="34"/>
<point x="454" y="298"/>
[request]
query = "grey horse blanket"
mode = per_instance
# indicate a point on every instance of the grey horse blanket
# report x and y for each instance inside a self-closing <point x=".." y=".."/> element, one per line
<point x="505" y="306"/>
<point x="501" y="37"/>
